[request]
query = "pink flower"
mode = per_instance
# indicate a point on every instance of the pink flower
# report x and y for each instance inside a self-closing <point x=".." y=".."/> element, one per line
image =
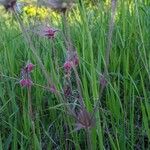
<point x="25" y="75"/>
<point x="75" y="60"/>
<point x="53" y="89"/>
<point x="29" y="67"/>
<point x="68" y="66"/>
<point x="26" y="83"/>
<point x="48" y="32"/>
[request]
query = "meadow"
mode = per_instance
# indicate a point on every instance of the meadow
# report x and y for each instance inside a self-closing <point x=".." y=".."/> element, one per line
<point x="84" y="85"/>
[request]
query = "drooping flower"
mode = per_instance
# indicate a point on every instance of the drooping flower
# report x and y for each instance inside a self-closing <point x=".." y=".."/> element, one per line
<point x="72" y="61"/>
<point x="25" y="75"/>
<point x="29" y="67"/>
<point x="68" y="66"/>
<point x="75" y="60"/>
<point x="48" y="32"/>
<point x="26" y="83"/>
<point x="53" y="89"/>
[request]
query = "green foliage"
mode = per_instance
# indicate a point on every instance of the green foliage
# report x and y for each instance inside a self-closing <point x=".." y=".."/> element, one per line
<point x="123" y="118"/>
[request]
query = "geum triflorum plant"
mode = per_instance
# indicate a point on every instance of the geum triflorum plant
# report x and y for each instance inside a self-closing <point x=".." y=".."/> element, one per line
<point x="84" y="120"/>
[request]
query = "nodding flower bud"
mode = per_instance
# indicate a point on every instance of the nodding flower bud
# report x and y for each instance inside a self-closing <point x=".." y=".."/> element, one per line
<point x="25" y="75"/>
<point x="53" y="89"/>
<point x="26" y="83"/>
<point x="29" y="67"/>
<point x="68" y="66"/>
<point x="103" y="81"/>
<point x="48" y="32"/>
<point x="75" y="60"/>
<point x="72" y="61"/>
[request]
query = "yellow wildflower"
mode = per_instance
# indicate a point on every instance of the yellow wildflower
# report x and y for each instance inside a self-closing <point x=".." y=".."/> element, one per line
<point x="34" y="11"/>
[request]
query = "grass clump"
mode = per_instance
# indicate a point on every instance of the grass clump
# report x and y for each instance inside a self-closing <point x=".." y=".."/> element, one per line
<point x="80" y="83"/>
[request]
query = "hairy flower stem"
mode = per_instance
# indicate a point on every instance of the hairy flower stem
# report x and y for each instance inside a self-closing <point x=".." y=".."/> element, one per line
<point x="89" y="142"/>
<point x="66" y="32"/>
<point x="69" y="46"/>
<point x="30" y="110"/>
<point x="108" y="50"/>
<point x="30" y="103"/>
<point x="79" y="88"/>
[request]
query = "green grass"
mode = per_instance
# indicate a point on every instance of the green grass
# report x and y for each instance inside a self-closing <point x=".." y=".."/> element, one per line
<point x="122" y="121"/>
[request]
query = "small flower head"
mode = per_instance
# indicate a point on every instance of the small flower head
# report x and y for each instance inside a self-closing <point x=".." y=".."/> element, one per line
<point x="53" y="89"/>
<point x="71" y="61"/>
<point x="25" y="75"/>
<point x="68" y="66"/>
<point x="75" y="60"/>
<point x="29" y="67"/>
<point x="48" y="32"/>
<point x="26" y="83"/>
